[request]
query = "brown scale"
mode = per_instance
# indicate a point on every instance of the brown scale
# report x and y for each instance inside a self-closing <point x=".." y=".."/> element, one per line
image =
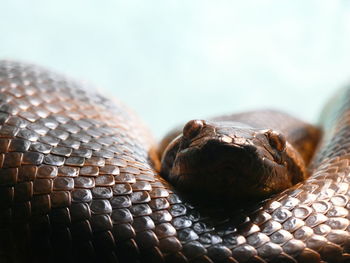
<point x="303" y="136"/>
<point x="77" y="185"/>
<point x="245" y="156"/>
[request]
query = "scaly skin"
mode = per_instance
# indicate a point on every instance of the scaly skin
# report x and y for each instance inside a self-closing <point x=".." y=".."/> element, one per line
<point x="77" y="185"/>
<point x="244" y="156"/>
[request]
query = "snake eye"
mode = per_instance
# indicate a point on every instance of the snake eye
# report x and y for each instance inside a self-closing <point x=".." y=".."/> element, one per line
<point x="192" y="128"/>
<point x="277" y="140"/>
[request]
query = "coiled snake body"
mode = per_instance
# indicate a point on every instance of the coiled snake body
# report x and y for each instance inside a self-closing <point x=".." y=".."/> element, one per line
<point x="77" y="184"/>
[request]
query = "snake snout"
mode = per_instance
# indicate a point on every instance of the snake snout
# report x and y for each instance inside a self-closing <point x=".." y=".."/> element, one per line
<point x="192" y="128"/>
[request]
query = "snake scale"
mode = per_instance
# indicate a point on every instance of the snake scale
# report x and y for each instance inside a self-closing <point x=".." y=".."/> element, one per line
<point x="77" y="184"/>
<point x="243" y="156"/>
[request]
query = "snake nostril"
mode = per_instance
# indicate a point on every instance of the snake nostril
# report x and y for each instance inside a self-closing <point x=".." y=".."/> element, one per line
<point x="192" y="128"/>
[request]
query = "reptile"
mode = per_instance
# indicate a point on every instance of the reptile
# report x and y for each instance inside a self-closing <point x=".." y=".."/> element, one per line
<point x="78" y="184"/>
<point x="244" y="156"/>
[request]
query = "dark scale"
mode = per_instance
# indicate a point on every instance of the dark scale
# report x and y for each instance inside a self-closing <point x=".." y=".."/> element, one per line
<point x="77" y="185"/>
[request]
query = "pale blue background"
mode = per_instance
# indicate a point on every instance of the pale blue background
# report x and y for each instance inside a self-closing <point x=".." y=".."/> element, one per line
<point x="176" y="60"/>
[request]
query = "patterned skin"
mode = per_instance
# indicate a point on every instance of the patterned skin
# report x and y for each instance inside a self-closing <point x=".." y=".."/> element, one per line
<point x="77" y="184"/>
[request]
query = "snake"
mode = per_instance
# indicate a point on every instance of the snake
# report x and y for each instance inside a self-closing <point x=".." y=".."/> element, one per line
<point x="79" y="183"/>
<point x="243" y="156"/>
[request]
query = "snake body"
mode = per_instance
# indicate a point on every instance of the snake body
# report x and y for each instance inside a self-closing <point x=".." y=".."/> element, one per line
<point x="77" y="184"/>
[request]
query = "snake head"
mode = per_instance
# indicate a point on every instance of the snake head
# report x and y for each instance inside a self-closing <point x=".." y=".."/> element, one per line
<point x="230" y="160"/>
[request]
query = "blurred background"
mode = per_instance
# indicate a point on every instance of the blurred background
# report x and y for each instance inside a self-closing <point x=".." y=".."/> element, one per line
<point x="172" y="61"/>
